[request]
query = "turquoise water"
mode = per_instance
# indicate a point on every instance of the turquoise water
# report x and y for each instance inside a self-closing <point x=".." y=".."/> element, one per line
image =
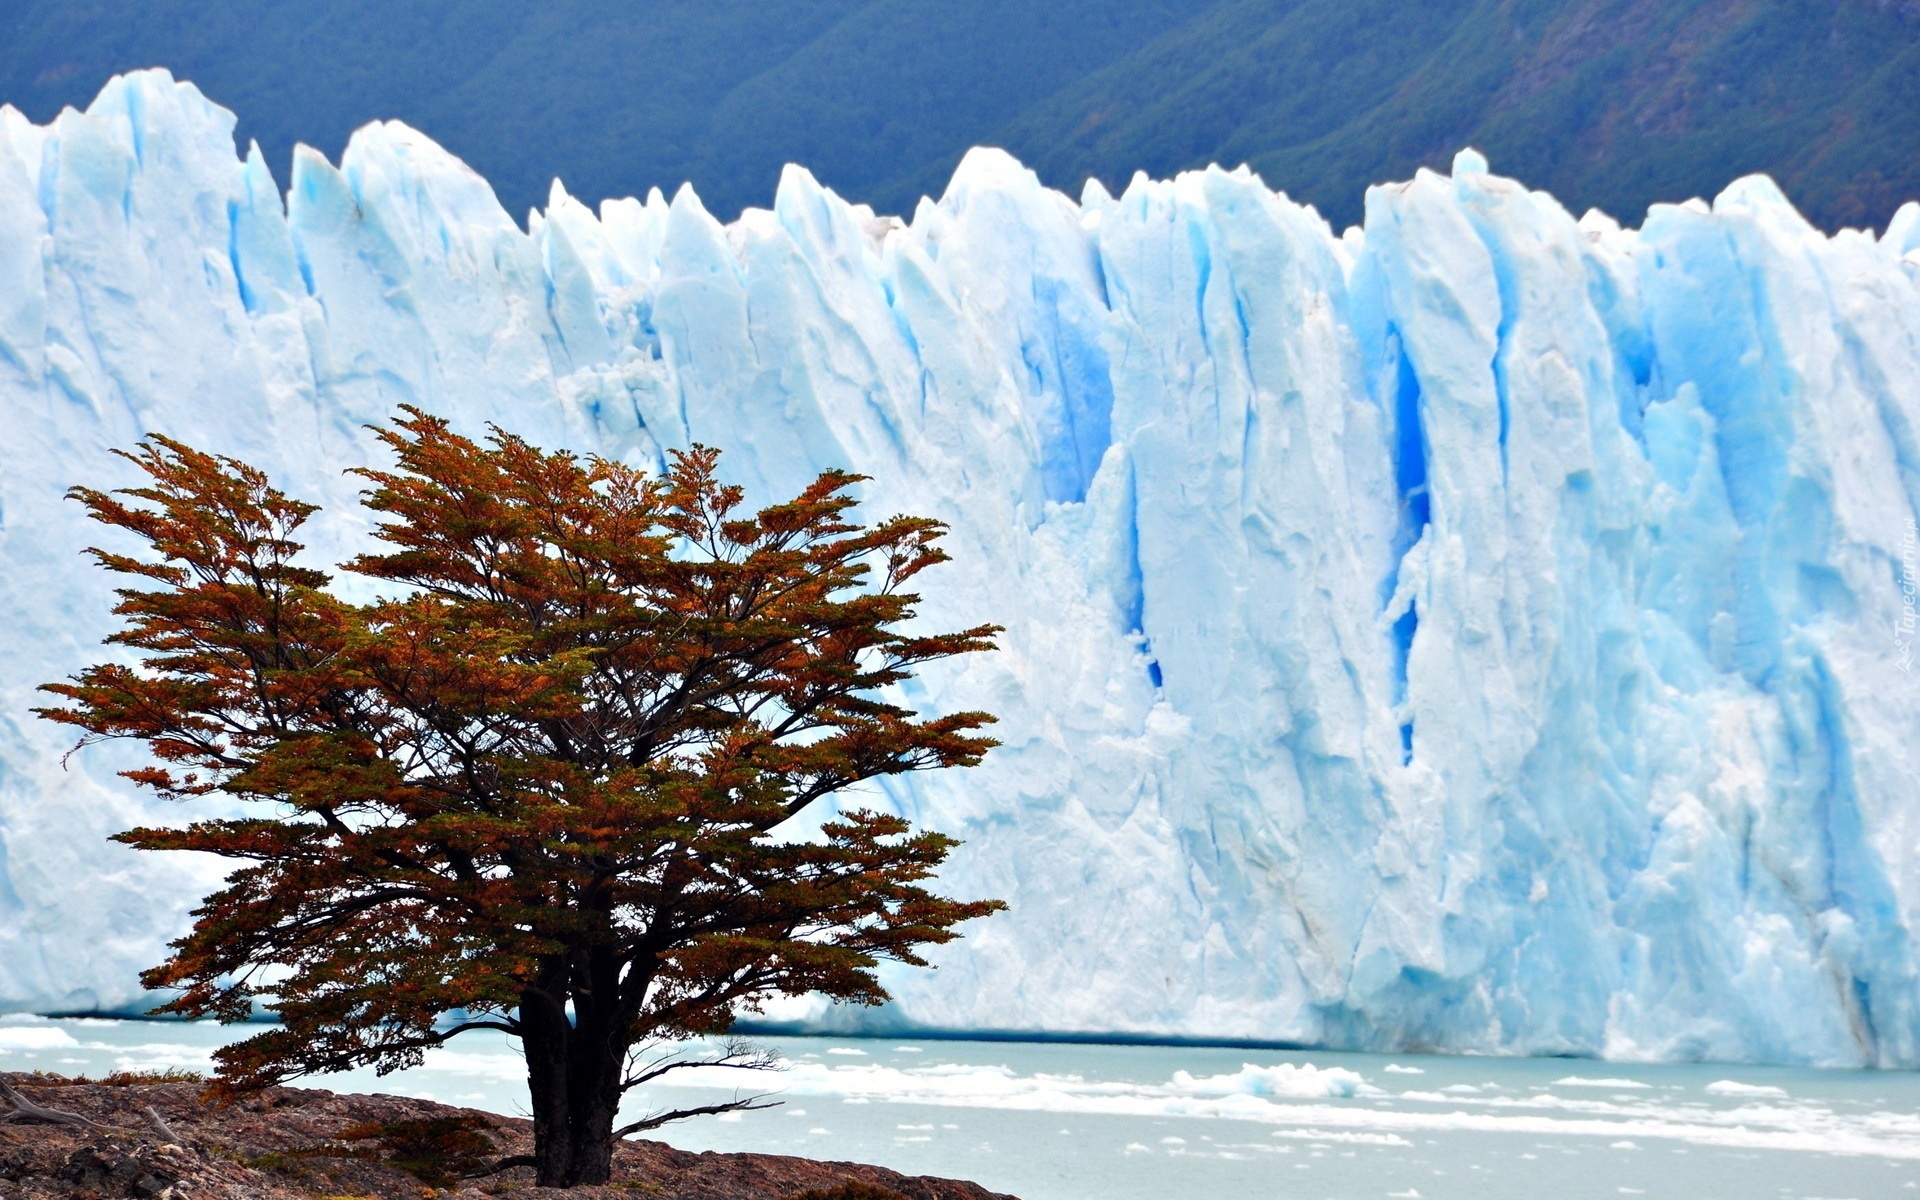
<point x="1051" y="1121"/>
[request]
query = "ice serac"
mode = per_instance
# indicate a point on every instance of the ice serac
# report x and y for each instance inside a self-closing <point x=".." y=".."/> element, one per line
<point x="1483" y="630"/>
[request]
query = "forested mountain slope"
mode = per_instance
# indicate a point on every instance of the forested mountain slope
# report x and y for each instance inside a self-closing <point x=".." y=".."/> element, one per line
<point x="1609" y="103"/>
<point x="1615" y="103"/>
<point x="613" y="96"/>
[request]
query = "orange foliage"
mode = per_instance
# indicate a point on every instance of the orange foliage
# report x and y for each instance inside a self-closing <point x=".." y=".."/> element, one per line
<point x="534" y="786"/>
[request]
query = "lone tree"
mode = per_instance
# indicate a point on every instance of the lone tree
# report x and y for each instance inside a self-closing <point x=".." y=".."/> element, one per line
<point x="536" y="789"/>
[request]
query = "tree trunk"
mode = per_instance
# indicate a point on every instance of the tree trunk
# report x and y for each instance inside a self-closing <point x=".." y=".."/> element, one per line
<point x="573" y="1077"/>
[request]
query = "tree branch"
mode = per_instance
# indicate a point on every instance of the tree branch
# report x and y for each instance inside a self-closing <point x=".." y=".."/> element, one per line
<point x="161" y="1127"/>
<point x="25" y="1109"/>
<point x="656" y="1120"/>
<point x="506" y="1164"/>
<point x="739" y="1055"/>
<point x="504" y="1025"/>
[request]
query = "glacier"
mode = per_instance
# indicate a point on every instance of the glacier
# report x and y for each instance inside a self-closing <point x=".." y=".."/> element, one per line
<point x="1483" y="630"/>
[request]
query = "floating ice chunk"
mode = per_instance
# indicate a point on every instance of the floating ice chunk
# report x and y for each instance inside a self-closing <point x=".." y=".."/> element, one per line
<point x="1733" y="1087"/>
<point x="1348" y="1137"/>
<point x="1302" y="1081"/>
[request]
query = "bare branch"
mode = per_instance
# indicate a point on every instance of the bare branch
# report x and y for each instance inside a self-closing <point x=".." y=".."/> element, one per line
<point x="656" y="1120"/>
<point x="160" y="1126"/>
<point x="738" y="1054"/>
<point x="506" y="1164"/>
<point x="25" y="1109"/>
<point x="504" y="1025"/>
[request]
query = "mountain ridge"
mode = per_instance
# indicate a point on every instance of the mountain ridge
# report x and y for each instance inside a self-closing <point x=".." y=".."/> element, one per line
<point x="1615" y="104"/>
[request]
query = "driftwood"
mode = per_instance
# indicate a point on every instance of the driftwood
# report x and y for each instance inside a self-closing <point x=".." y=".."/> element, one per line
<point x="26" y="1110"/>
<point x="161" y="1128"/>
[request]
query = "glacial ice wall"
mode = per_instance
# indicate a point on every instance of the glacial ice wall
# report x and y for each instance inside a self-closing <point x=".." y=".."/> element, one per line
<point x="1481" y="631"/>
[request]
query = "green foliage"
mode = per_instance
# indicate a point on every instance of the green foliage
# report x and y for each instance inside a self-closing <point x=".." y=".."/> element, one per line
<point x="1610" y="103"/>
<point x="851" y="1190"/>
<point x="1614" y="103"/>
<point x="612" y="97"/>
<point x="140" y="1078"/>
<point x="118" y="1078"/>
<point x="438" y="1151"/>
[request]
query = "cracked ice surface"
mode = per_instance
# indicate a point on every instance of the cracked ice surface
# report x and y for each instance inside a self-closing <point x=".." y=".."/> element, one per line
<point x="1481" y="631"/>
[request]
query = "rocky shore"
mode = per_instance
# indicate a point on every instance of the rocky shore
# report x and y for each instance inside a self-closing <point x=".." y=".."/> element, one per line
<point x="154" y="1138"/>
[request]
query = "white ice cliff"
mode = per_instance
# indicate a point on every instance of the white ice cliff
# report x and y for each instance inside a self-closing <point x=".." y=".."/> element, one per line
<point x="1482" y="631"/>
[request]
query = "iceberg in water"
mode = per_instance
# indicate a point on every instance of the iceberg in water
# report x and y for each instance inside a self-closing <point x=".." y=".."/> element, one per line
<point x="1482" y="630"/>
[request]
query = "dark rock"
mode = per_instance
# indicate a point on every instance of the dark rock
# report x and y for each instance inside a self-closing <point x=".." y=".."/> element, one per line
<point x="288" y="1144"/>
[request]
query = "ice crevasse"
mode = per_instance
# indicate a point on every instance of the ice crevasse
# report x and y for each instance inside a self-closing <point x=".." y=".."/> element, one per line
<point x="1483" y="630"/>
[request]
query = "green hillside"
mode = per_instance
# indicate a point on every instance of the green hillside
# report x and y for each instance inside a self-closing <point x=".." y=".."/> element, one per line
<point x="1608" y="103"/>
<point x="1615" y="103"/>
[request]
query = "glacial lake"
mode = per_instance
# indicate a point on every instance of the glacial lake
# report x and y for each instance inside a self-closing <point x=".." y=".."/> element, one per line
<point x="1062" y="1121"/>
